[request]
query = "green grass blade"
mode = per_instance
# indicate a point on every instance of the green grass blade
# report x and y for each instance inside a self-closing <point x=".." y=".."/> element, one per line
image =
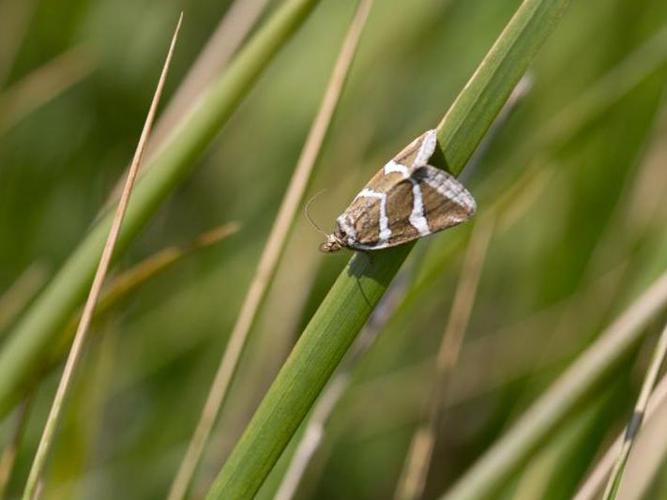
<point x="31" y="338"/>
<point x="474" y="110"/>
<point x="635" y="423"/>
<point x="501" y="460"/>
<point x="361" y="284"/>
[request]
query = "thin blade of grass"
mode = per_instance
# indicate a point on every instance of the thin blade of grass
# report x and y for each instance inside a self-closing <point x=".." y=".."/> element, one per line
<point x="8" y="457"/>
<point x="130" y="280"/>
<point x="14" y="22"/>
<point x="74" y="356"/>
<point x="271" y="254"/>
<point x="314" y="432"/>
<point x="546" y="475"/>
<point x="238" y="20"/>
<point x="635" y="423"/>
<point x="31" y="338"/>
<point x="359" y="287"/>
<point x="415" y="468"/>
<point x="516" y="445"/>
<point x="593" y="485"/>
<point x="43" y="85"/>
<point x="638" y="66"/>
<point x="20" y="293"/>
<point x="230" y="33"/>
<point x="644" y="474"/>
<point x="644" y="61"/>
<point x="83" y="420"/>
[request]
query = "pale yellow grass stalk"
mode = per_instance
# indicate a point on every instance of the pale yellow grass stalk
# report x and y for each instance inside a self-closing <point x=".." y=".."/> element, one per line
<point x="43" y="85"/>
<point x="8" y="457"/>
<point x="14" y="22"/>
<point x="21" y="292"/>
<point x="591" y="488"/>
<point x="232" y="30"/>
<point x="337" y="387"/>
<point x="34" y="478"/>
<point x="239" y="19"/>
<point x="415" y="469"/>
<point x="569" y="389"/>
<point x="635" y="423"/>
<point x="270" y="256"/>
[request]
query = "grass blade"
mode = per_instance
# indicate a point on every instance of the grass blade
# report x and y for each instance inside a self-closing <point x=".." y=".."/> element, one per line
<point x="74" y="356"/>
<point x="128" y="281"/>
<point x="635" y="423"/>
<point x="415" y="468"/>
<point x="30" y="339"/>
<point x="624" y="77"/>
<point x="270" y="256"/>
<point x="314" y="432"/>
<point x="15" y="19"/>
<point x="358" y="289"/>
<point x="595" y="481"/>
<point x="239" y="19"/>
<point x="43" y="85"/>
<point x="556" y="403"/>
<point x="8" y="457"/>
<point x="14" y="300"/>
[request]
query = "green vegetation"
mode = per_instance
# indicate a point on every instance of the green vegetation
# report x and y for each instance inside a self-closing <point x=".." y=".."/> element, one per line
<point x="574" y="177"/>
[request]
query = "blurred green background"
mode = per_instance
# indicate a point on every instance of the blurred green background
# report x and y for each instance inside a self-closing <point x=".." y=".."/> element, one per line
<point x="585" y="234"/>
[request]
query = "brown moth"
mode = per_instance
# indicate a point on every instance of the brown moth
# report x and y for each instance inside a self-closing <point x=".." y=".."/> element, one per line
<point x="405" y="200"/>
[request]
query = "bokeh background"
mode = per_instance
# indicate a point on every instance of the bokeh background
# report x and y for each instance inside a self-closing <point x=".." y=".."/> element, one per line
<point x="579" y="238"/>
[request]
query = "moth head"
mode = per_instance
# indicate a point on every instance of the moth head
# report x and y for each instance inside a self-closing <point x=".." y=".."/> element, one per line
<point x="333" y="244"/>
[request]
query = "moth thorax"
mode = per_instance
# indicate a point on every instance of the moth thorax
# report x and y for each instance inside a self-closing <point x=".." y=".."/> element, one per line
<point x="333" y="244"/>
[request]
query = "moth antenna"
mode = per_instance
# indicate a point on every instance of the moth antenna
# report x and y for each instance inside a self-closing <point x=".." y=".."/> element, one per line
<point x="306" y="211"/>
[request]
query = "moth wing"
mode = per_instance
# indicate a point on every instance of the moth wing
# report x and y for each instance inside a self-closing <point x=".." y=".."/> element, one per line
<point x="427" y="201"/>
<point x="419" y="151"/>
<point x="362" y="218"/>
<point x="366" y="213"/>
<point x="400" y="211"/>
<point x="376" y="210"/>
<point x="446" y="202"/>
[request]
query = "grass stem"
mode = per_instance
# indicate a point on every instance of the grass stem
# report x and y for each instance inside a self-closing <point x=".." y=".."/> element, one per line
<point x="415" y="469"/>
<point x="350" y="301"/>
<point x="635" y="423"/>
<point x="270" y="255"/>
<point x="516" y="445"/>
<point x="74" y="356"/>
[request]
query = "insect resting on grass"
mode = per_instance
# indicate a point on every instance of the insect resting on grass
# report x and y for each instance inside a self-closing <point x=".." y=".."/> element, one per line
<point x="405" y="200"/>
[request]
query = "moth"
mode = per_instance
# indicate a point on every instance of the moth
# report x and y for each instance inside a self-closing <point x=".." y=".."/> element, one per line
<point x="405" y="200"/>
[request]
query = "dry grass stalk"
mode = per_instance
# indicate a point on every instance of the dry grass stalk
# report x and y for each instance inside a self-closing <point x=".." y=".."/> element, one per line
<point x="8" y="457"/>
<point x="415" y="469"/>
<point x="315" y="430"/>
<point x="19" y="294"/>
<point x="238" y="21"/>
<point x="43" y="84"/>
<point x="231" y="32"/>
<point x="590" y="489"/>
<point x="635" y="423"/>
<point x="14" y="21"/>
<point x="34" y="478"/>
<point x="270" y="256"/>
<point x="569" y="389"/>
